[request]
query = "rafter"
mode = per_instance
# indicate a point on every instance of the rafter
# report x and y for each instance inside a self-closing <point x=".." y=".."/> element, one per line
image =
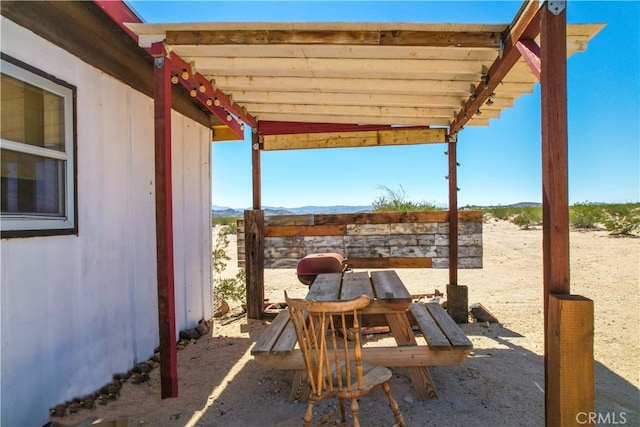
<point x="391" y="35"/>
<point x="526" y="25"/>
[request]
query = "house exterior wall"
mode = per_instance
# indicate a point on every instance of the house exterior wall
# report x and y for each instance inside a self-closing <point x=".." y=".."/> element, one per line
<point x="76" y="309"/>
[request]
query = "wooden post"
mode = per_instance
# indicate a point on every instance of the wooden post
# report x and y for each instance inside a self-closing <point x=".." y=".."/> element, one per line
<point x="453" y="211"/>
<point x="255" y="171"/>
<point x="570" y="358"/>
<point x="254" y="261"/>
<point x="568" y="320"/>
<point x="164" y="223"/>
<point x="457" y="296"/>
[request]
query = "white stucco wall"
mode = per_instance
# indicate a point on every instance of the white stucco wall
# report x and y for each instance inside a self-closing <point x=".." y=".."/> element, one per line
<point x="74" y="310"/>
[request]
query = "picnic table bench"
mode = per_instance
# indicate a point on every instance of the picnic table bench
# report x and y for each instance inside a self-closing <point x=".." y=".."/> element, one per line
<point x="445" y="342"/>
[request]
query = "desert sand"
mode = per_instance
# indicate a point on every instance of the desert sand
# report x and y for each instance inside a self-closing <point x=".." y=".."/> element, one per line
<point x="500" y="384"/>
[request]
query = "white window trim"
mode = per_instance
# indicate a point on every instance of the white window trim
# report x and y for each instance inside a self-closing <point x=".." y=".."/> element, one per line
<point x="18" y="224"/>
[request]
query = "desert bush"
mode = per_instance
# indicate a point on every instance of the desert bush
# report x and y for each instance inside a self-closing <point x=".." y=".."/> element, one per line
<point x="622" y="220"/>
<point x="585" y="215"/>
<point x="224" y="220"/>
<point x="499" y="212"/>
<point x="527" y="217"/>
<point x="398" y="201"/>
<point x="232" y="288"/>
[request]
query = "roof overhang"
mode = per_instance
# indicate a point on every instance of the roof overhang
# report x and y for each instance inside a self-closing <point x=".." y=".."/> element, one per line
<point x="386" y="74"/>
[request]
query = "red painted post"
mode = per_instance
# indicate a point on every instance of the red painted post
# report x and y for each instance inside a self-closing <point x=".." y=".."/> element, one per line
<point x="255" y="171"/>
<point x="164" y="223"/>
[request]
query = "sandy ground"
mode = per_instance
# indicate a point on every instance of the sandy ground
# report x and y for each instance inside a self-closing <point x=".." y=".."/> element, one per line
<point x="500" y="384"/>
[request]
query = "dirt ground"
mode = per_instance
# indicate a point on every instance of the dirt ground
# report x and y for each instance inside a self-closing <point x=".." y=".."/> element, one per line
<point x="500" y="384"/>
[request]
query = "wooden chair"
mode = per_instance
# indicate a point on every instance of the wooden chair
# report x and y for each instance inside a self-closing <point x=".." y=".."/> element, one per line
<point x="334" y="363"/>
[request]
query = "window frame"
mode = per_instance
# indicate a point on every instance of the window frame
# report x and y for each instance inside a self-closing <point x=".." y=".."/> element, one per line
<point x="25" y="225"/>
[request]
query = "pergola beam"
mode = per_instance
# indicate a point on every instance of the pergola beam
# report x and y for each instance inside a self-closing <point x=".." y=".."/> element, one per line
<point x="530" y="51"/>
<point x="525" y="26"/>
<point x="373" y="138"/>
<point x="373" y="37"/>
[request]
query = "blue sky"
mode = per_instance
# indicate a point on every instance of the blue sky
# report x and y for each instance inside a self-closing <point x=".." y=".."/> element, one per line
<point x="500" y="164"/>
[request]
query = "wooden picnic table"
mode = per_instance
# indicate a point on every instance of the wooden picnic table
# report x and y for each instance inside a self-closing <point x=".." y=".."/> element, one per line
<point x="391" y="305"/>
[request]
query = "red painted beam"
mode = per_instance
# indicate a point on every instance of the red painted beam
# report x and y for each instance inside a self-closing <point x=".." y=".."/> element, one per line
<point x="530" y="51"/>
<point x="525" y="26"/>
<point x="213" y="99"/>
<point x="164" y="224"/>
<point x="266" y="127"/>
<point x="120" y="13"/>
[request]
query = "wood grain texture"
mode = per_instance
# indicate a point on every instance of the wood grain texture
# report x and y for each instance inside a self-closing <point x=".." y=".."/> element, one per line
<point x="372" y="240"/>
<point x="570" y="388"/>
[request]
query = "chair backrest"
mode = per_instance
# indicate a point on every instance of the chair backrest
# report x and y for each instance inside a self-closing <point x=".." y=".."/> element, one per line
<point x="329" y="338"/>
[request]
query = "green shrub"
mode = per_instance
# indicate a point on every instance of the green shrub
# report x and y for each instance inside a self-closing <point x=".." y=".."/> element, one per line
<point x="397" y="201"/>
<point x="527" y="217"/>
<point x="585" y="215"/>
<point x="499" y="212"/>
<point x="622" y="220"/>
<point x="234" y="288"/>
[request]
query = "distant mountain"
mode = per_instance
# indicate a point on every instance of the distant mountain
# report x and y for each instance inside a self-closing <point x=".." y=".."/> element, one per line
<point x="223" y="211"/>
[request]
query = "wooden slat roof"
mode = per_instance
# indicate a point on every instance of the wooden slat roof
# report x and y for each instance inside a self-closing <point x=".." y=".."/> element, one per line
<point x="352" y="73"/>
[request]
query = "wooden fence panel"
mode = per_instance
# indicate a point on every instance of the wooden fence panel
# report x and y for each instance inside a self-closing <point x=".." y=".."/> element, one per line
<point x="371" y="240"/>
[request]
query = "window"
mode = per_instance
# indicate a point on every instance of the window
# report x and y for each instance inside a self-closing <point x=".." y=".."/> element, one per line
<point x="37" y="152"/>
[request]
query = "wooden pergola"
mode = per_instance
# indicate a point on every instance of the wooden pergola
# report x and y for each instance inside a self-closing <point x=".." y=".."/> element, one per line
<point x="314" y="85"/>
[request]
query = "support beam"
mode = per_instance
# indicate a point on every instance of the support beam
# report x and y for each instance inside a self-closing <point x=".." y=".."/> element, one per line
<point x="453" y="212"/>
<point x="344" y="139"/>
<point x="530" y="51"/>
<point x="256" y="173"/>
<point x="216" y="101"/>
<point x="457" y="296"/>
<point x="568" y="321"/>
<point x="164" y="223"/>
<point x="254" y="258"/>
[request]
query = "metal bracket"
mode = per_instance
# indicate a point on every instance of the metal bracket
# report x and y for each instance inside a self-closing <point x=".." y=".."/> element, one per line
<point x="555" y="6"/>
<point x="453" y="137"/>
<point x="158" y="61"/>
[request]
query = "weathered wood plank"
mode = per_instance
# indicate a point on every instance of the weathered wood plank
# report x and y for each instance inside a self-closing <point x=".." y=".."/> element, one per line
<point x="305" y="230"/>
<point x="429" y="328"/>
<point x="411" y="240"/>
<point x="448" y="326"/>
<point x="392" y="356"/>
<point x="288" y="339"/>
<point x="414" y="228"/>
<point x="387" y="283"/>
<point x="326" y="287"/>
<point x="367" y="229"/>
<point x="421" y="262"/>
<point x="412" y="251"/>
<point x="367" y="252"/>
<point x="276" y="242"/>
<point x="284" y="252"/>
<point x="266" y="341"/>
<point x="273" y="220"/>
<point x="356" y="284"/>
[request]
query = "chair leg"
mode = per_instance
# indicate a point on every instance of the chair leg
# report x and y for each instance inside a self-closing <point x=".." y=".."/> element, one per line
<point x="393" y="404"/>
<point x="309" y="414"/>
<point x="343" y="414"/>
<point x="354" y="412"/>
